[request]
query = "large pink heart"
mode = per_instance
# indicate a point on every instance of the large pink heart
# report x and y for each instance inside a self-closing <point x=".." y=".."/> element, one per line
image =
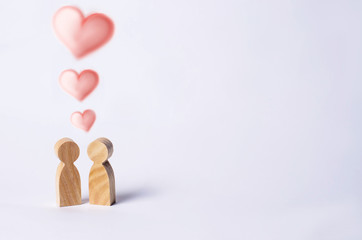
<point x="80" y="34"/>
<point x="83" y="120"/>
<point x="79" y="86"/>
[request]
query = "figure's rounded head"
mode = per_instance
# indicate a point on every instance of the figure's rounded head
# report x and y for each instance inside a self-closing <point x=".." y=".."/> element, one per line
<point x="66" y="150"/>
<point x="100" y="150"/>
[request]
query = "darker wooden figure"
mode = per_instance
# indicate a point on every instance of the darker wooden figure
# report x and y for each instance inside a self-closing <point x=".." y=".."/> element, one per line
<point x="101" y="176"/>
<point x="68" y="186"/>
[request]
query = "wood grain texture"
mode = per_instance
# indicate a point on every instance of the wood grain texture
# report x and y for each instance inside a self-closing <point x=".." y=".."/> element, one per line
<point x="101" y="177"/>
<point x="67" y="183"/>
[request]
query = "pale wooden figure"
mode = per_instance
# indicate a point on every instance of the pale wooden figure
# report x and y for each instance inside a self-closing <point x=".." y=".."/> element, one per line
<point x="68" y="186"/>
<point x="101" y="176"/>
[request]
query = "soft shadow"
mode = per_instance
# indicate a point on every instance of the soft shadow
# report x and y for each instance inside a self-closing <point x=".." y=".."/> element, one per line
<point x="85" y="200"/>
<point x="127" y="196"/>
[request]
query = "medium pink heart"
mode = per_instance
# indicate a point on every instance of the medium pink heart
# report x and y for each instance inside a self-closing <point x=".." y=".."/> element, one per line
<point x="78" y="85"/>
<point x="83" y="120"/>
<point x="82" y="35"/>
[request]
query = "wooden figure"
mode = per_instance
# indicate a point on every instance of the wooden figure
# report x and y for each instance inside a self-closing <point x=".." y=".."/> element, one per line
<point x="101" y="176"/>
<point x="68" y="186"/>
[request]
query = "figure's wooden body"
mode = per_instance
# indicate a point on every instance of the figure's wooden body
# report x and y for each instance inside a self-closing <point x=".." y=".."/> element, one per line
<point x="68" y="185"/>
<point x="101" y="176"/>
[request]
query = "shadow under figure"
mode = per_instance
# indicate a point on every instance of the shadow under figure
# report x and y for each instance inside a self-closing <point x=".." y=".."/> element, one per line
<point x="135" y="194"/>
<point x="101" y="177"/>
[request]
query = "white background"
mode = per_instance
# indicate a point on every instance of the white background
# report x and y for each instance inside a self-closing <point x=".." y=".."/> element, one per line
<point x="230" y="120"/>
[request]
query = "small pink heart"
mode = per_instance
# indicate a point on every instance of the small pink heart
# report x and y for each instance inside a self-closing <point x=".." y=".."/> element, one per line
<point x="79" y="86"/>
<point x="83" y="120"/>
<point x="82" y="35"/>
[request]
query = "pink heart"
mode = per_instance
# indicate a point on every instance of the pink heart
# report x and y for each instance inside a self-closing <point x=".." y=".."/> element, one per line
<point x="83" y="120"/>
<point x="82" y="35"/>
<point x="79" y="86"/>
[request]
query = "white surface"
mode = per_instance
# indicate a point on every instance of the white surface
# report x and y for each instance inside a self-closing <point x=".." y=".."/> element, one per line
<point x="230" y="120"/>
